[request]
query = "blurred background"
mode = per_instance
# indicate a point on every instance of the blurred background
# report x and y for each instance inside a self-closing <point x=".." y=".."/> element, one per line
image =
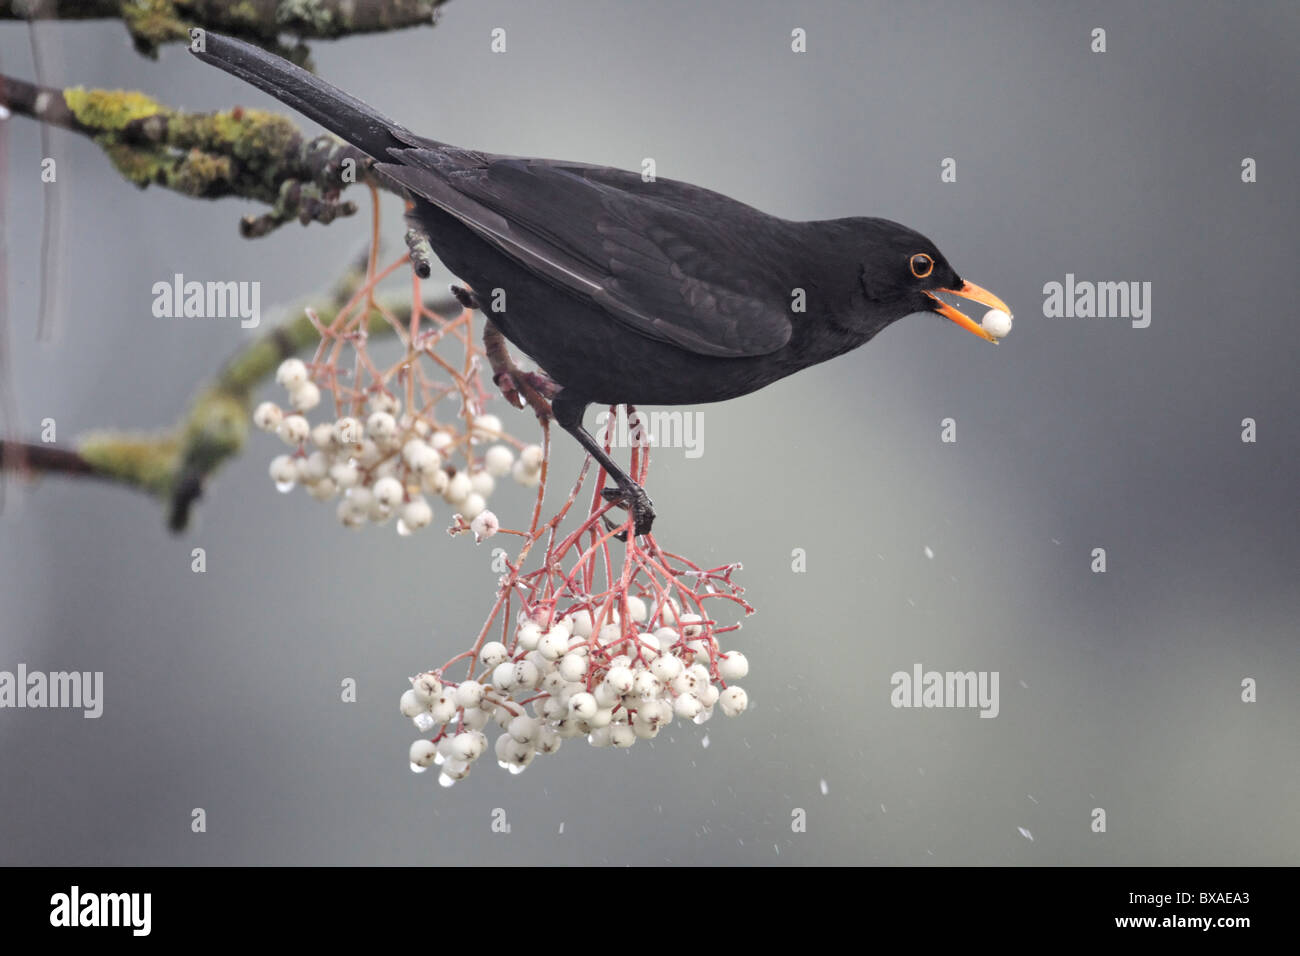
<point x="1119" y="690"/>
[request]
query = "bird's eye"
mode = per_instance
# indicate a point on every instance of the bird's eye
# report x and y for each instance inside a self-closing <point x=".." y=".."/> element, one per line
<point x="922" y="265"/>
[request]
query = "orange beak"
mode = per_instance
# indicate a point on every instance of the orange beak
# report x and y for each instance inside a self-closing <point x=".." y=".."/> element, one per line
<point x="969" y="290"/>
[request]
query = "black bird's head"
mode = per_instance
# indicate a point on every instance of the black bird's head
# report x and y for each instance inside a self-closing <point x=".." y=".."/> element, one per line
<point x="904" y="270"/>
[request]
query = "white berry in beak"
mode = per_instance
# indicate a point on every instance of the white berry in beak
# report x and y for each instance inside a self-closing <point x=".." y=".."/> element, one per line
<point x="996" y="323"/>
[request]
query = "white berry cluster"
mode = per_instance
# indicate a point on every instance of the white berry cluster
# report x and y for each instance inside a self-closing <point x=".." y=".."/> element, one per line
<point x="558" y="681"/>
<point x="384" y="464"/>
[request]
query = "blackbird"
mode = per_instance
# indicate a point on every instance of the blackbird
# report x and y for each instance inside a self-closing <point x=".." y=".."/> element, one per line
<point x="627" y="291"/>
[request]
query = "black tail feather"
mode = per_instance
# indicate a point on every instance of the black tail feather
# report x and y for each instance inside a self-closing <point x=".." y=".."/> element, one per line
<point x="344" y="115"/>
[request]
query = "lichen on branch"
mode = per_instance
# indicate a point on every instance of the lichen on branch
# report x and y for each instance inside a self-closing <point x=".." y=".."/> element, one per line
<point x="249" y="153"/>
<point x="154" y="23"/>
<point x="174" y="463"/>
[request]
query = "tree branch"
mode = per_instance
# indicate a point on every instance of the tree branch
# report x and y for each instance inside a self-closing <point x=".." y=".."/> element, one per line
<point x="248" y="153"/>
<point x="153" y="23"/>
<point x="26" y="456"/>
<point x="240" y="152"/>
<point x="175" y="464"/>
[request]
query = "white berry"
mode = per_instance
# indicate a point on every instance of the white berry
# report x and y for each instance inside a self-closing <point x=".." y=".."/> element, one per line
<point x="458" y="488"/>
<point x="305" y="396"/>
<point x="503" y="675"/>
<point x="389" y="492"/>
<point x="497" y="460"/>
<point x="492" y="653"/>
<point x="482" y="483"/>
<point x="268" y="416"/>
<point x="427" y="687"/>
<point x="484" y="525"/>
<point x="733" y="701"/>
<point x="620" y="679"/>
<point x="347" y="431"/>
<point x="573" y="667"/>
<point x="422" y="753"/>
<point x="582" y="705"/>
<point x="291" y="373"/>
<point x="420" y="456"/>
<point x="529" y="479"/>
<point x="284" y="470"/>
<point x="996" y="323"/>
<point x="293" y="430"/>
<point x="381" y="426"/>
<point x="469" y="693"/>
<point x="473" y="506"/>
<point x="529" y="636"/>
<point x="687" y="706"/>
<point x="733" y="666"/>
<point x="417" y="514"/>
<point x="531" y="457"/>
<point x="410" y="704"/>
<point x="487" y="426"/>
<point x="666" y="667"/>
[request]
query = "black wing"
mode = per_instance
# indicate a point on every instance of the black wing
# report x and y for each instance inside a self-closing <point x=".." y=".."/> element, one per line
<point x="669" y="260"/>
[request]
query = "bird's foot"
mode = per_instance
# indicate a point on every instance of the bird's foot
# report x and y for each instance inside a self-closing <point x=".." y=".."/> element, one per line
<point x="505" y="382"/>
<point x="539" y="382"/>
<point x="522" y="389"/>
<point x="518" y="387"/>
<point x="635" y="500"/>
<point x="465" y="297"/>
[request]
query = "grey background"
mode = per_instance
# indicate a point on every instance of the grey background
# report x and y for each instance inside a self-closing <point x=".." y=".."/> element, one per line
<point x="1118" y="690"/>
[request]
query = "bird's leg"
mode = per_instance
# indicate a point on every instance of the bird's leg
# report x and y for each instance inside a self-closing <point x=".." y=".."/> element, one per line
<point x="516" y="386"/>
<point x="568" y="413"/>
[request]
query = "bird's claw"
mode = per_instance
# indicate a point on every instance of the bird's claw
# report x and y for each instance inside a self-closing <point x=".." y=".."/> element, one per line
<point x="465" y="297"/>
<point x="635" y="500"/>
<point x="509" y="390"/>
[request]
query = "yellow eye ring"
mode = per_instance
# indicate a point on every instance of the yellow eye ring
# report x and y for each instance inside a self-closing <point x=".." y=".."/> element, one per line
<point x="922" y="265"/>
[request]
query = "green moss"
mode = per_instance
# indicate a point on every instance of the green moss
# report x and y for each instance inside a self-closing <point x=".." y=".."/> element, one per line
<point x="140" y="166"/>
<point x="251" y="365"/>
<point x="215" y="429"/>
<point x="261" y="134"/>
<point x="194" y="174"/>
<point x="153" y="22"/>
<point x="146" y="462"/>
<point x="305" y="15"/>
<point x="263" y="143"/>
<point x="200" y="174"/>
<point x="244" y="13"/>
<point x="110" y="110"/>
